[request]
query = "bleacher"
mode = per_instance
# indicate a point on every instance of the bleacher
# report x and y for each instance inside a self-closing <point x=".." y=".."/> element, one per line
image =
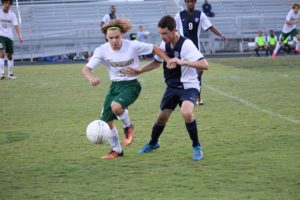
<point x="70" y="26"/>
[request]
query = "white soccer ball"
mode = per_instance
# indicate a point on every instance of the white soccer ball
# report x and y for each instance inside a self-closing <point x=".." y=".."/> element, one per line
<point x="97" y="132"/>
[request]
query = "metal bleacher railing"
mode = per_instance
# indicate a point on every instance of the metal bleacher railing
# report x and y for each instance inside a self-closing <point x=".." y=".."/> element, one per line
<point x="52" y="27"/>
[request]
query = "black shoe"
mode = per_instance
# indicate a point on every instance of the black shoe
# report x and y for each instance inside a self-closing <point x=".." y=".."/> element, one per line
<point x="2" y="76"/>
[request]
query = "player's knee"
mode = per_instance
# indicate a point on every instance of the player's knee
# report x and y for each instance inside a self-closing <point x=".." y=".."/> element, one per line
<point x="116" y="108"/>
<point x="187" y="115"/>
<point x="9" y="56"/>
<point x="2" y="54"/>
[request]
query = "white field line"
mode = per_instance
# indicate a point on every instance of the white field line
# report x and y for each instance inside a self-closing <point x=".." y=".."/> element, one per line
<point x="252" y="105"/>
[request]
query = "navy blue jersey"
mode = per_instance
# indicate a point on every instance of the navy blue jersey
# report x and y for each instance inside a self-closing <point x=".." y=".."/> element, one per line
<point x="112" y="16"/>
<point x="173" y="76"/>
<point x="182" y="76"/>
<point x="190" y="24"/>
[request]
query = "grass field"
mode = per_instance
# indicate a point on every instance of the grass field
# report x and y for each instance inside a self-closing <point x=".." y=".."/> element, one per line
<point x="250" y="131"/>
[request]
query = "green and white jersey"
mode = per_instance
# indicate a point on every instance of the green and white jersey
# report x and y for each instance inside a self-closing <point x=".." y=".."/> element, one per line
<point x="7" y="22"/>
<point x="117" y="61"/>
<point x="290" y="16"/>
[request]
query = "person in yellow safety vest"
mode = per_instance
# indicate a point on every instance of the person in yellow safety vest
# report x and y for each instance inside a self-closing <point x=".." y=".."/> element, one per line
<point x="272" y="40"/>
<point x="260" y="42"/>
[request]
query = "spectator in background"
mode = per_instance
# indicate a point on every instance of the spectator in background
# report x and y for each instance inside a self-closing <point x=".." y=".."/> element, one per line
<point x="109" y="16"/>
<point x="55" y="59"/>
<point x="64" y="57"/>
<point x="142" y="36"/>
<point x="78" y="57"/>
<point x="206" y="8"/>
<point x="271" y="40"/>
<point x="260" y="42"/>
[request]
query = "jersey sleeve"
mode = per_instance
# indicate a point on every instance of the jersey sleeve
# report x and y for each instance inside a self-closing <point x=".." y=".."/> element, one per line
<point x="95" y="60"/>
<point x="178" y="23"/>
<point x="190" y="52"/>
<point x="156" y="57"/>
<point x="15" y="20"/>
<point x="204" y="22"/>
<point x="143" y="48"/>
<point x="105" y="19"/>
<point x="289" y="16"/>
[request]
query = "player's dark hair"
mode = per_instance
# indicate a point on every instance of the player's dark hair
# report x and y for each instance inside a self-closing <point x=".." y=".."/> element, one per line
<point x="195" y="1"/>
<point x="11" y="1"/>
<point x="167" y="21"/>
<point x="296" y="5"/>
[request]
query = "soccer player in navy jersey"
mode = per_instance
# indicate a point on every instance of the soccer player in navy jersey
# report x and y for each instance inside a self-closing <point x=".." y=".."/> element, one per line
<point x="181" y="78"/>
<point x="189" y="23"/>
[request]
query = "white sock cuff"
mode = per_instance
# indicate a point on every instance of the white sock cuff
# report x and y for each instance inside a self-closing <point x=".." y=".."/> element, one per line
<point x="10" y="63"/>
<point x="123" y="116"/>
<point x="113" y="132"/>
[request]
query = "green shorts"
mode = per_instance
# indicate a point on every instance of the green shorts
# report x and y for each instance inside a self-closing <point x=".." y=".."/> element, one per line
<point x="6" y="44"/>
<point x="293" y="33"/>
<point x="122" y="92"/>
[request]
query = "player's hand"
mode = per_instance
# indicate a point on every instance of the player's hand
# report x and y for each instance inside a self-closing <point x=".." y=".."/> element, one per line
<point x="173" y="62"/>
<point x="21" y="40"/>
<point x="291" y="22"/>
<point x="132" y="71"/>
<point x="94" y="81"/>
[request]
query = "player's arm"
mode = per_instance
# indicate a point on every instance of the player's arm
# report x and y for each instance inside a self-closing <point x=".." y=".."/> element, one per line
<point x="106" y="18"/>
<point x="291" y="22"/>
<point x="199" y="64"/>
<point x="217" y="32"/>
<point x="19" y="33"/>
<point x="159" y="52"/>
<point x="148" y="67"/>
<point x="87" y="72"/>
<point x="190" y="56"/>
<point x="101" y="24"/>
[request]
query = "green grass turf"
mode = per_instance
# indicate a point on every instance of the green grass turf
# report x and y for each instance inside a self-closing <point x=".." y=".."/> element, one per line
<point x="249" y="128"/>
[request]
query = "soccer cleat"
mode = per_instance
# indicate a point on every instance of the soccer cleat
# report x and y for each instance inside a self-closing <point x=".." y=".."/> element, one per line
<point x="274" y="55"/>
<point x="112" y="154"/>
<point x="201" y="102"/>
<point x="129" y="135"/>
<point x="198" y="154"/>
<point x="2" y="76"/>
<point x="148" y="148"/>
<point x="11" y="76"/>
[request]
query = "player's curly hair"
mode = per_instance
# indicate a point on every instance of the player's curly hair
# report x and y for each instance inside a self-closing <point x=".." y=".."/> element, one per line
<point x="11" y="1"/>
<point x="120" y="23"/>
<point x="296" y="5"/>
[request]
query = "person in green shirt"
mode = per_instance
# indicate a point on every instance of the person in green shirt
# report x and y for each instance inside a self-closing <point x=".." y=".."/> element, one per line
<point x="260" y="42"/>
<point x="271" y="40"/>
